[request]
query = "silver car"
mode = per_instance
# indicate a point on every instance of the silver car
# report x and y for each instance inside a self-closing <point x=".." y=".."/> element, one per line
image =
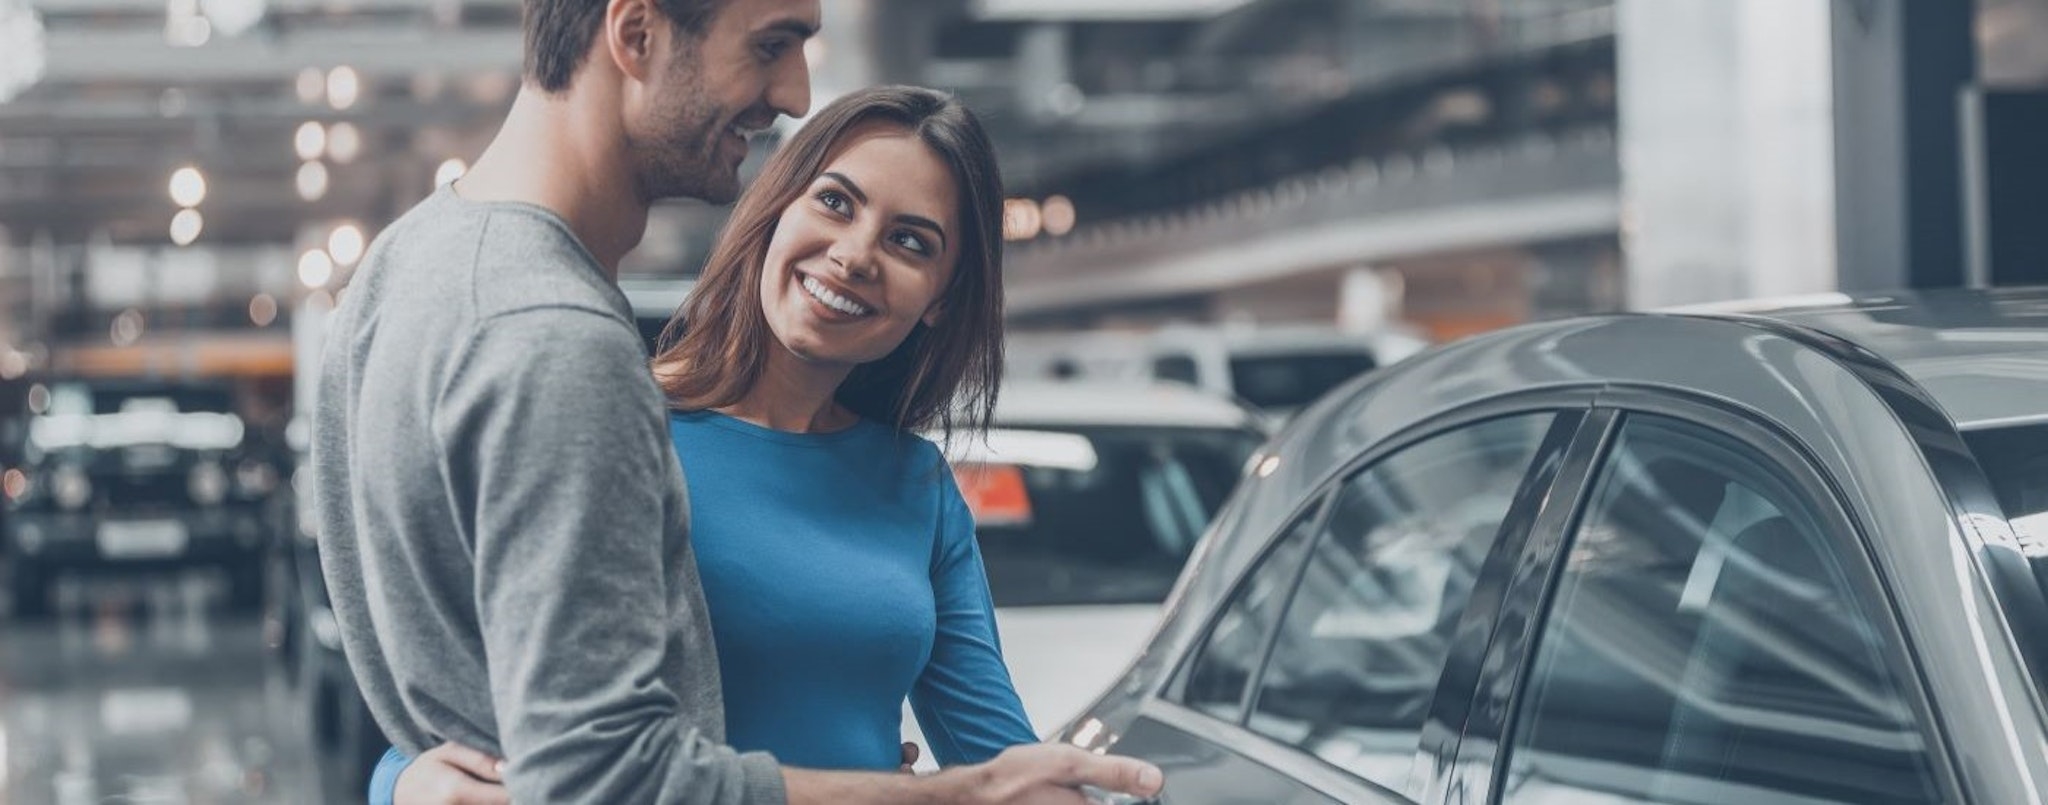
<point x="1790" y="556"/>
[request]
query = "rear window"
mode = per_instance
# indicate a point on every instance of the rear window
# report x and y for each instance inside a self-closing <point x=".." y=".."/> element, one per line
<point x="1086" y="516"/>
<point x="2015" y="459"/>
<point x="1292" y="381"/>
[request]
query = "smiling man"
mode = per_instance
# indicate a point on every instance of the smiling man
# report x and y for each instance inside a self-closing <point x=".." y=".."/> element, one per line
<point x="503" y="526"/>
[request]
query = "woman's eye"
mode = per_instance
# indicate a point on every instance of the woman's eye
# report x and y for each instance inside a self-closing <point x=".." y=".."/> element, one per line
<point x="834" y="201"/>
<point x="913" y="242"/>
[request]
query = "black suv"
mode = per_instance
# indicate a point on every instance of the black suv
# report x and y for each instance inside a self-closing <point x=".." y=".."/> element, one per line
<point x="130" y="475"/>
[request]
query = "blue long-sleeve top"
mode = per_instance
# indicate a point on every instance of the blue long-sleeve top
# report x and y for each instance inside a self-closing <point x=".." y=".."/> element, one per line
<point x="842" y="574"/>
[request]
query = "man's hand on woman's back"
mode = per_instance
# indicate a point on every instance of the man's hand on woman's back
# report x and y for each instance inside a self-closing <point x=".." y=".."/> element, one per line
<point x="453" y="774"/>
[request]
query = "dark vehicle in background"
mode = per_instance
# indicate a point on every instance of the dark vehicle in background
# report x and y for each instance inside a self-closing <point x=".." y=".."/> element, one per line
<point x="1554" y="565"/>
<point x="121" y="476"/>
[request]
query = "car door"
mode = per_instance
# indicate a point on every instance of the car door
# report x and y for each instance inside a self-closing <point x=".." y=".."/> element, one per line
<point x="1708" y="626"/>
<point x="1318" y="679"/>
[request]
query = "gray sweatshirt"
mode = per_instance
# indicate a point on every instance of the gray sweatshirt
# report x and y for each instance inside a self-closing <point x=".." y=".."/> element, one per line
<point x="503" y="525"/>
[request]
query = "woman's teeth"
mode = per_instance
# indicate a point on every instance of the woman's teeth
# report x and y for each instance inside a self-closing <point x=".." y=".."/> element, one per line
<point x="818" y="291"/>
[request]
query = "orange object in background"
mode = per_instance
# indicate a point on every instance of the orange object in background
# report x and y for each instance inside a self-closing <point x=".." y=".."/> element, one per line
<point x="995" y="493"/>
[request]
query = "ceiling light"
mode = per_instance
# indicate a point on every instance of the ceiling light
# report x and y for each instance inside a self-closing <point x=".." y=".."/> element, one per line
<point x="342" y="86"/>
<point x="262" y="309"/>
<point x="344" y="142"/>
<point x="311" y="85"/>
<point x="1058" y="212"/>
<point x="23" y="56"/>
<point x="233" y="17"/>
<point x="188" y="186"/>
<point x="310" y="141"/>
<point x="1021" y="219"/>
<point x="312" y="181"/>
<point x="345" y="244"/>
<point x="185" y="226"/>
<point x="315" y="268"/>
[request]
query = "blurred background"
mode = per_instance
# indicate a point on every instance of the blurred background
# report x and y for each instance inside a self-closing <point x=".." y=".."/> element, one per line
<point x="1255" y="198"/>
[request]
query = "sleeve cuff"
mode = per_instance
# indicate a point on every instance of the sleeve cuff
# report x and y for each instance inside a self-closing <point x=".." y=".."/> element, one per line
<point x="763" y="779"/>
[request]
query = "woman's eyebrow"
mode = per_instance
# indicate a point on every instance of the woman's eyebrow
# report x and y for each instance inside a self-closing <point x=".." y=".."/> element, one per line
<point x="853" y="189"/>
<point x="858" y="194"/>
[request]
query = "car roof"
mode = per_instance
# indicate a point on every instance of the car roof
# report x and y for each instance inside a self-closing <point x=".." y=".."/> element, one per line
<point x="1982" y="354"/>
<point x="1121" y="404"/>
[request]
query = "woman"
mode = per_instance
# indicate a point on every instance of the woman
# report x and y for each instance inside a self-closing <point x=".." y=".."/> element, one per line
<point x="854" y="300"/>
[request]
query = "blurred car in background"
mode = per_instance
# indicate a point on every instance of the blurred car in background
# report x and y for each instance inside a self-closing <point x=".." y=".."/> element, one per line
<point x="121" y="476"/>
<point x="1552" y="564"/>
<point x="654" y="302"/>
<point x="1087" y="499"/>
<point x="1276" y="369"/>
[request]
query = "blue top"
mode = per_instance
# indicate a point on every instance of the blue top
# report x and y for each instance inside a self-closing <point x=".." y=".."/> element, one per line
<point x="842" y="574"/>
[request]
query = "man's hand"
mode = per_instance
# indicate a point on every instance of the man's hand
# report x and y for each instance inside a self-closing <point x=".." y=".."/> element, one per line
<point x="1052" y="774"/>
<point x="452" y="774"/>
<point x="909" y="758"/>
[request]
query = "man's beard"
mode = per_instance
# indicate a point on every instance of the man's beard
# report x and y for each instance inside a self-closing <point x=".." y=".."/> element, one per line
<point x="680" y="156"/>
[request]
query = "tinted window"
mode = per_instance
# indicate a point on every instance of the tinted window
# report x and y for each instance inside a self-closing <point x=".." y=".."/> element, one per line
<point x="2016" y="462"/>
<point x="1177" y="368"/>
<point x="1292" y="381"/>
<point x="1217" y="677"/>
<point x="1709" y="641"/>
<point x="1096" y="515"/>
<point x="1359" y="650"/>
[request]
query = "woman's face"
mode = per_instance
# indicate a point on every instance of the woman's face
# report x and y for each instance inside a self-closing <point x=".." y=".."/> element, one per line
<point x="865" y="251"/>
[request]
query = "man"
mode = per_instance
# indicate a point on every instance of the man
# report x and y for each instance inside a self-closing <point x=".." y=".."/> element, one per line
<point x="504" y="530"/>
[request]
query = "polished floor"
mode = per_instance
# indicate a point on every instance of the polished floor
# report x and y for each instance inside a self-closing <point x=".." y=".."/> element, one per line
<point x="145" y="693"/>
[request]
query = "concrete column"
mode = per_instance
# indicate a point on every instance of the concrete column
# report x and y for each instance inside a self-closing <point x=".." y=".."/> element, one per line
<point x="1727" y="149"/>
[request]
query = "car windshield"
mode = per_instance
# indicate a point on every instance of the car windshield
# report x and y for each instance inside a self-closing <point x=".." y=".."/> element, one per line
<point x="2016" y="460"/>
<point x="1080" y="515"/>
<point x="1292" y="381"/>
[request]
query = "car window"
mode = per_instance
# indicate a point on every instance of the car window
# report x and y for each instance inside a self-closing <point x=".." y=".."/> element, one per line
<point x="1292" y="381"/>
<point x="2015" y="459"/>
<point x="1355" y="664"/>
<point x="1215" y="680"/>
<point x="1176" y="368"/>
<point x="1708" y="641"/>
<point x="1072" y="516"/>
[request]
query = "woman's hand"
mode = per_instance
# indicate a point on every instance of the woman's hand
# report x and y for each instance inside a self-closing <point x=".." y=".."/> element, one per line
<point x="453" y="774"/>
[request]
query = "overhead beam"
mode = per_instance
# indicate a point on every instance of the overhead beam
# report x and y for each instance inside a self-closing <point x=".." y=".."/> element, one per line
<point x="380" y="53"/>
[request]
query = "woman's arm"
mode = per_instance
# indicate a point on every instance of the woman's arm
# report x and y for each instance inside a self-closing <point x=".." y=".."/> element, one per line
<point x="964" y="699"/>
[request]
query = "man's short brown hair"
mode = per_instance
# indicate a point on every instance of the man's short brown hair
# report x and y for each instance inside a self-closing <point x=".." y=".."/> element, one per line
<point x="559" y="33"/>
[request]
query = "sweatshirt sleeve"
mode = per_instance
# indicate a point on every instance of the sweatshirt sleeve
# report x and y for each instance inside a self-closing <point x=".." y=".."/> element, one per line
<point x="554" y="444"/>
<point x="964" y="699"/>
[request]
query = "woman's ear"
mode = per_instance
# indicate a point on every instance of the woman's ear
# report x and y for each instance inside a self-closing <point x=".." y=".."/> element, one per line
<point x="933" y="314"/>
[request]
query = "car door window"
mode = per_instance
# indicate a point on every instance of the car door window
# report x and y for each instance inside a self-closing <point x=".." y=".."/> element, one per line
<point x="1216" y="678"/>
<point x="1714" y="636"/>
<point x="1355" y="664"/>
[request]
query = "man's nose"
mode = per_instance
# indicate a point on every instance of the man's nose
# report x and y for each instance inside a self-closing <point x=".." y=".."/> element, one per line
<point x="789" y="92"/>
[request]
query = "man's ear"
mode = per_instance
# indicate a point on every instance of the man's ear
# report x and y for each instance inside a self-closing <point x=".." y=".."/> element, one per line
<point x="629" y="35"/>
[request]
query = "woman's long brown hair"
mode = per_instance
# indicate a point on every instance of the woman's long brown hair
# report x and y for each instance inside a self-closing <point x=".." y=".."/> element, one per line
<point x="942" y="376"/>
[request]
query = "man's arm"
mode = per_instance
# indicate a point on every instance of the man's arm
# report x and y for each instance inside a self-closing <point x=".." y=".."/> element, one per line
<point x="556" y="450"/>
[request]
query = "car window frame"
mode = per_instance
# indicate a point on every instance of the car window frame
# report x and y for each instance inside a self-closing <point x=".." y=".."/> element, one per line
<point x="1533" y="591"/>
<point x="1571" y="410"/>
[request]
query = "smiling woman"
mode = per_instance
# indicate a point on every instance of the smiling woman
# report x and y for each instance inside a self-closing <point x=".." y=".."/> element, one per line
<point x="868" y="249"/>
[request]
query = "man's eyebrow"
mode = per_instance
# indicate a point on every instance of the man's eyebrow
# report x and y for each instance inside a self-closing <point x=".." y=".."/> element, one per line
<point x="793" y="26"/>
<point x="858" y="194"/>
